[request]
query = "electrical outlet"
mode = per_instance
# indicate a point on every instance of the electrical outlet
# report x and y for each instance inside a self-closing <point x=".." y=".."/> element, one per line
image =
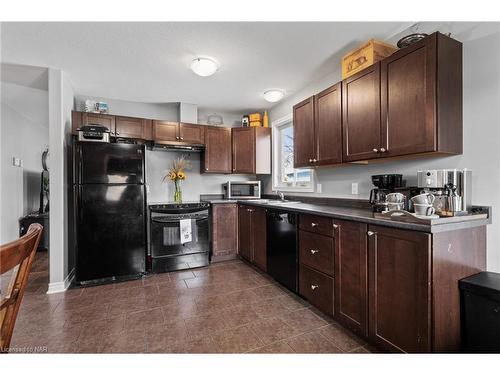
<point x="16" y="162"/>
<point x="354" y="188"/>
<point x="318" y="188"/>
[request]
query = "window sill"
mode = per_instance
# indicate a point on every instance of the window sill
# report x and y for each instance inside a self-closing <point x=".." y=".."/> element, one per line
<point x="287" y="189"/>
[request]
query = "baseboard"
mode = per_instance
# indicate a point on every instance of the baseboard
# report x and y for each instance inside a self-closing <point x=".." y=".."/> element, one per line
<point x="61" y="286"/>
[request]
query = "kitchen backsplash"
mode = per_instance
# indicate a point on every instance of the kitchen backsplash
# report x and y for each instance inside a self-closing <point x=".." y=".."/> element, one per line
<point x="157" y="164"/>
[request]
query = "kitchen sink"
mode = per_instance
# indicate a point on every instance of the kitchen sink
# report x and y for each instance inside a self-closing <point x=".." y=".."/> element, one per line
<point x="272" y="201"/>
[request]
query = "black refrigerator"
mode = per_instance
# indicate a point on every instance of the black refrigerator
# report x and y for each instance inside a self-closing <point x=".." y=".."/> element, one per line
<point x="109" y="205"/>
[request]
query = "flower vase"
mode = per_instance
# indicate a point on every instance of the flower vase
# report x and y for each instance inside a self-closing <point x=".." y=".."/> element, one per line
<point x="177" y="192"/>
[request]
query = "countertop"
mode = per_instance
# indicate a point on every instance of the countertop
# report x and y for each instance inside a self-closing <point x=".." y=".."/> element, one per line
<point x="366" y="216"/>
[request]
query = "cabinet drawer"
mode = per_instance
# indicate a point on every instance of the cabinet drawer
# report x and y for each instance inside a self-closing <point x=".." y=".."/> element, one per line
<point x="316" y="251"/>
<point x="317" y="288"/>
<point x="317" y="224"/>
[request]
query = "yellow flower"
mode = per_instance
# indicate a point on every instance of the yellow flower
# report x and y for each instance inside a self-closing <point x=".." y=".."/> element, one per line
<point x="172" y="176"/>
<point x="181" y="175"/>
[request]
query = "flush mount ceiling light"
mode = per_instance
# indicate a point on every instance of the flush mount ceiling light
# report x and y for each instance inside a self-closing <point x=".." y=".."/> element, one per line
<point x="204" y="66"/>
<point x="274" y="95"/>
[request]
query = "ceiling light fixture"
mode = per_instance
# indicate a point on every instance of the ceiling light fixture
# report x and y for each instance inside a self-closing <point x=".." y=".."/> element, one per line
<point x="274" y="95"/>
<point x="204" y="66"/>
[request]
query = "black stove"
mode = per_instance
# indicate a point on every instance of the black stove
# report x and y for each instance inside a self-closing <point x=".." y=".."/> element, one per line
<point x="176" y="208"/>
<point x="167" y="249"/>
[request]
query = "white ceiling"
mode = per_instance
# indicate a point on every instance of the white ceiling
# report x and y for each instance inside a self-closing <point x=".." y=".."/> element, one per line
<point x="149" y="62"/>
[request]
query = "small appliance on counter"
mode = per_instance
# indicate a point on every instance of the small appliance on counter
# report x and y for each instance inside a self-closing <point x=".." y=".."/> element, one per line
<point x="241" y="190"/>
<point x="384" y="184"/>
<point x="93" y="133"/>
<point x="451" y="188"/>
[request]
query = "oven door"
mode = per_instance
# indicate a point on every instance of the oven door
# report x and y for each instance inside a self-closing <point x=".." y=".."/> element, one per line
<point x="166" y="236"/>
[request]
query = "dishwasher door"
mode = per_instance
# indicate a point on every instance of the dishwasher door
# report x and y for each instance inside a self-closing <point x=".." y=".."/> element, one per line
<point x="282" y="253"/>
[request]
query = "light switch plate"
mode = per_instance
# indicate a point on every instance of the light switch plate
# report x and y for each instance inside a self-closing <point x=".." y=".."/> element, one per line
<point x="17" y="162"/>
<point x="318" y="188"/>
<point x="354" y="188"/>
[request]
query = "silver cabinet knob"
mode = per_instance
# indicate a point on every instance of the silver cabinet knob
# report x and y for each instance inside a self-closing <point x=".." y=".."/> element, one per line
<point x="117" y="133"/>
<point x="375" y="150"/>
<point x="314" y="251"/>
<point x="370" y="233"/>
<point x="314" y="286"/>
<point x="314" y="225"/>
<point x="176" y="137"/>
<point x="382" y="149"/>
<point x="315" y="161"/>
<point x="181" y="138"/>
<point x="335" y="226"/>
<point x="206" y="169"/>
<point x="310" y="160"/>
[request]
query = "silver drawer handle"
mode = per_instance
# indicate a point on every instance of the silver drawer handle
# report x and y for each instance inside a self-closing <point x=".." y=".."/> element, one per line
<point x="314" y="286"/>
<point x="314" y="225"/>
<point x="370" y="233"/>
<point x="335" y="226"/>
<point x="313" y="251"/>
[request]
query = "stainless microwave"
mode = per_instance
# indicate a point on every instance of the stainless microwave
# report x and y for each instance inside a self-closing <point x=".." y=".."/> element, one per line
<point x="242" y="190"/>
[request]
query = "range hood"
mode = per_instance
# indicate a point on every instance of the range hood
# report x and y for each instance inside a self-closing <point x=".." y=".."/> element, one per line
<point x="178" y="147"/>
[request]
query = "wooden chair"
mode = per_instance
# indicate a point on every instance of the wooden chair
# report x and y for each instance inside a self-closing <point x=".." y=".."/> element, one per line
<point x="16" y="256"/>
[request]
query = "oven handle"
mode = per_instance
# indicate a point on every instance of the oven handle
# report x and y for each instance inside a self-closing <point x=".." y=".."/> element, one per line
<point x="174" y="220"/>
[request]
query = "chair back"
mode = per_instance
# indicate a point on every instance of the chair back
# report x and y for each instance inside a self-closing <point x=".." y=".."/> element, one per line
<point x="16" y="258"/>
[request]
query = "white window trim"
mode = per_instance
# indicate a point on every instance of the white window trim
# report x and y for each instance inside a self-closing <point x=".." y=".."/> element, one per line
<point x="275" y="125"/>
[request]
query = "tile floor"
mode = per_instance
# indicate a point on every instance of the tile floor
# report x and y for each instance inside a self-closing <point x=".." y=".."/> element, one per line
<point x="224" y="308"/>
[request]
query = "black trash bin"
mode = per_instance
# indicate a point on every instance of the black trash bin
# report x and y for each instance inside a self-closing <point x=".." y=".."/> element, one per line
<point x="480" y="299"/>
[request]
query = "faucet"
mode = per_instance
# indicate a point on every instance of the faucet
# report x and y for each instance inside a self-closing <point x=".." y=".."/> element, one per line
<point x="280" y="195"/>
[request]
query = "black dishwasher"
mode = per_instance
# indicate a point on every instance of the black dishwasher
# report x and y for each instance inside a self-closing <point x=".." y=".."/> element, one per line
<point x="282" y="254"/>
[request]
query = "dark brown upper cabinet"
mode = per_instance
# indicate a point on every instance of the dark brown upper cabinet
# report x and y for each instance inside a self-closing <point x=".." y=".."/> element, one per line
<point x="421" y="96"/>
<point x="132" y="127"/>
<point x="361" y="115"/>
<point x="165" y="131"/>
<point x="328" y="126"/>
<point x="191" y="133"/>
<point x="217" y="157"/>
<point x="251" y="150"/>
<point x="170" y="131"/>
<point x="400" y="289"/>
<point x="303" y="133"/>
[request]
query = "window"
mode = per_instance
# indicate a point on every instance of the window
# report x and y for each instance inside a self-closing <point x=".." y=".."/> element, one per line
<point x="285" y="176"/>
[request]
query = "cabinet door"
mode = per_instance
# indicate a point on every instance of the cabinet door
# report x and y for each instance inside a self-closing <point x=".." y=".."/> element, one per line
<point x="191" y="133"/>
<point x="303" y="133"/>
<point x="165" y="131"/>
<point x="224" y="230"/>
<point x="245" y="238"/>
<point x="130" y="127"/>
<point x="351" y="275"/>
<point x="328" y="125"/>
<point x="217" y="155"/>
<point x="361" y="115"/>
<point x="243" y="150"/>
<point x="408" y="86"/>
<point x="399" y="277"/>
<point x="259" y="229"/>
<point x="107" y="121"/>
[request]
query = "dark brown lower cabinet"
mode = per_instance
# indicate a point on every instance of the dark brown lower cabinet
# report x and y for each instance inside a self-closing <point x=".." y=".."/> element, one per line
<point x="351" y="275"/>
<point x="317" y="288"/>
<point x="224" y="231"/>
<point x="400" y="294"/>
<point x="245" y="238"/>
<point x="252" y="235"/>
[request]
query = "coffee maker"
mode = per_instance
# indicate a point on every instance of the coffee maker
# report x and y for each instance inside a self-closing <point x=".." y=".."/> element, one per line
<point x="384" y="184"/>
<point x="451" y="187"/>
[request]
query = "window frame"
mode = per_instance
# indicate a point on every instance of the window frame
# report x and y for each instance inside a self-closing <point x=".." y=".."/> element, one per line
<point x="275" y="126"/>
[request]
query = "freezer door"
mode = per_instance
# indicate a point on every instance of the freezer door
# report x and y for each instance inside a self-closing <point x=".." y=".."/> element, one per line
<point x="111" y="231"/>
<point x="109" y="163"/>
